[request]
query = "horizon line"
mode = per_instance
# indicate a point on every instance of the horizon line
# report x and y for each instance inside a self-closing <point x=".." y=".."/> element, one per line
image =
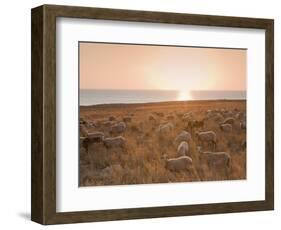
<point x="163" y="89"/>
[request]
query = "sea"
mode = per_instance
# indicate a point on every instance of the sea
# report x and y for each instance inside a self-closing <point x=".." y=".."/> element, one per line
<point x="108" y="96"/>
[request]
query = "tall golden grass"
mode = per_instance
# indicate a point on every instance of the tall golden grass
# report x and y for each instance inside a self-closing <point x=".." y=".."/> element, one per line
<point x="141" y="161"/>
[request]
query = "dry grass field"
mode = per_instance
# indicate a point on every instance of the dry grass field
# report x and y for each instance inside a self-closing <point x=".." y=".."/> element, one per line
<point x="141" y="159"/>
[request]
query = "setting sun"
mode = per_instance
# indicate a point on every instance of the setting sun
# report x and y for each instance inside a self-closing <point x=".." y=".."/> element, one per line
<point x="184" y="95"/>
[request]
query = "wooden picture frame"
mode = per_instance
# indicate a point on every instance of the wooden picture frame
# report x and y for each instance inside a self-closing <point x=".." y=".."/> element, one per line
<point x="43" y="189"/>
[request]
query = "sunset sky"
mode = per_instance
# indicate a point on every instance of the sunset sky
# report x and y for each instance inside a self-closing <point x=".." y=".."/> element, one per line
<point x="116" y="66"/>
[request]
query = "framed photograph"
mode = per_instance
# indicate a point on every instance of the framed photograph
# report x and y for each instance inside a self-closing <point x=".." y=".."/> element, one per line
<point x="140" y="114"/>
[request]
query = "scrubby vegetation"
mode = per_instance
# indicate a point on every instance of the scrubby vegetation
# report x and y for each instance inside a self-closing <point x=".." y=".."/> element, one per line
<point x="142" y="158"/>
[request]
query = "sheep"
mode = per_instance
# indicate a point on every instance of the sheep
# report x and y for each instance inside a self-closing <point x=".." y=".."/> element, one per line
<point x="226" y="128"/>
<point x="195" y="124"/>
<point x="239" y="116"/>
<point x="118" y="128"/>
<point x="228" y="114"/>
<point x="183" y="149"/>
<point x="102" y="174"/>
<point x="229" y="120"/>
<point x="209" y="113"/>
<point x="127" y="119"/>
<point x="180" y="163"/>
<point x="209" y="137"/>
<point x="243" y="125"/>
<point x="107" y="123"/>
<point x="95" y="136"/>
<point x="111" y="170"/>
<point x="110" y="142"/>
<point x="82" y="121"/>
<point x="183" y="136"/>
<point x="216" y="160"/>
<point x="218" y="117"/>
<point x="187" y="116"/>
<point x="83" y="130"/>
<point x="165" y="129"/>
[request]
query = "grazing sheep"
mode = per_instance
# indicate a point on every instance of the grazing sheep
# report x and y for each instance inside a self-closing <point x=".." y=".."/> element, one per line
<point x="209" y="113"/>
<point x="187" y="116"/>
<point x="83" y="130"/>
<point x="243" y="125"/>
<point x="165" y="129"/>
<point x="111" y="170"/>
<point x="82" y="121"/>
<point x="195" y="124"/>
<point x="226" y="128"/>
<point x="102" y="174"/>
<point x="120" y="127"/>
<point x="180" y="163"/>
<point x="229" y="120"/>
<point x="183" y="149"/>
<point x="110" y="142"/>
<point x="107" y="123"/>
<point x="228" y="114"/>
<point x="239" y="116"/>
<point x="127" y="119"/>
<point x="95" y="136"/>
<point x="183" y="136"/>
<point x="208" y="137"/>
<point x="216" y="160"/>
<point x="218" y="117"/>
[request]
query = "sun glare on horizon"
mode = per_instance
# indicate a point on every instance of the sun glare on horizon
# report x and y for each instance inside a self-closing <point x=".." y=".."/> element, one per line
<point x="184" y="95"/>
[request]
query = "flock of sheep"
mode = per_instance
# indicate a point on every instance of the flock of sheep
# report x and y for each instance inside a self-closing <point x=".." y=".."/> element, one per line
<point x="178" y="131"/>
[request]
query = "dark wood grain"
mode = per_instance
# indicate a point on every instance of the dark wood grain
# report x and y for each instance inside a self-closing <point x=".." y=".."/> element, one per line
<point x="43" y="208"/>
<point x="37" y="204"/>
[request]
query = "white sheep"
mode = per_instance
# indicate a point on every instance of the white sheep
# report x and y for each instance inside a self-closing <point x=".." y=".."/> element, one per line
<point x="187" y="116"/>
<point x="183" y="136"/>
<point x="165" y="129"/>
<point x="180" y="163"/>
<point x="208" y="137"/>
<point x="183" y="149"/>
<point x="110" y="142"/>
<point x="83" y="130"/>
<point x="239" y="115"/>
<point x="218" y="117"/>
<point x="228" y="113"/>
<point x="216" y="160"/>
<point x="229" y="120"/>
<point x="226" y="128"/>
<point x="95" y="136"/>
<point x="120" y="127"/>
